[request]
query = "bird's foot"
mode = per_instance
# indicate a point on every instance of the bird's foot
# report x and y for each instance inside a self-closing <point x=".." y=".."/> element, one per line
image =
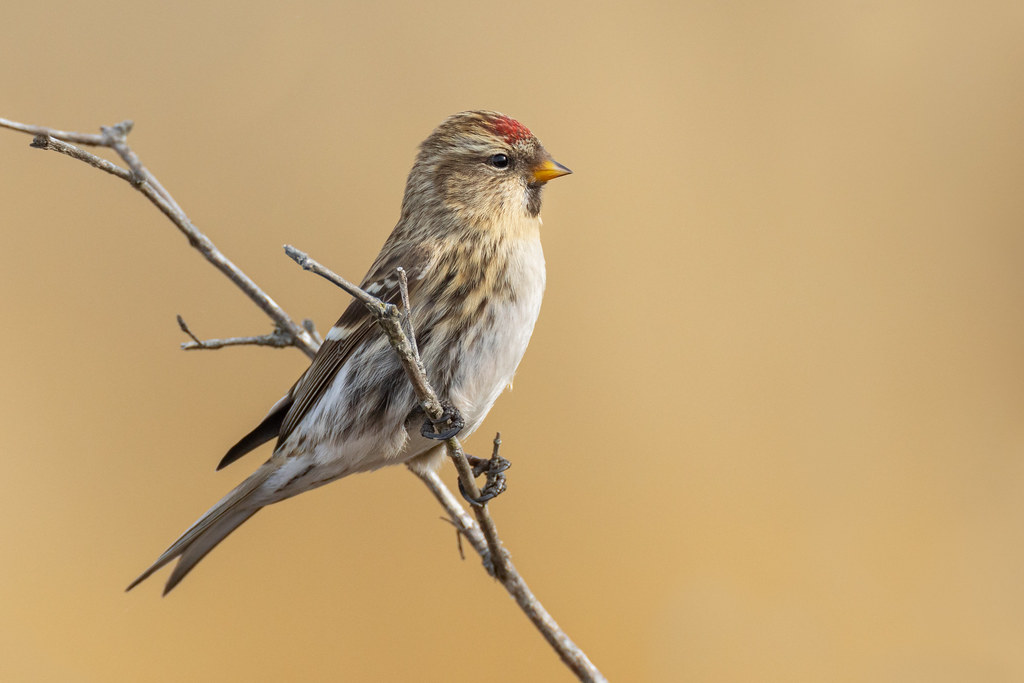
<point x="451" y="416"/>
<point x="494" y="467"/>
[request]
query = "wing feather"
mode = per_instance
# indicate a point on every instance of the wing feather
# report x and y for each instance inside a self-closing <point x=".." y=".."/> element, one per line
<point x="264" y="432"/>
<point x="353" y="328"/>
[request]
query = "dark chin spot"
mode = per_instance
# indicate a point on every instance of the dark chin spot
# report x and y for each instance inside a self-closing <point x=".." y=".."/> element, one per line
<point x="533" y="199"/>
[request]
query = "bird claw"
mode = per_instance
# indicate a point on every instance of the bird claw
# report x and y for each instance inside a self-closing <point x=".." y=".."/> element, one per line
<point x="452" y="416"/>
<point x="494" y="468"/>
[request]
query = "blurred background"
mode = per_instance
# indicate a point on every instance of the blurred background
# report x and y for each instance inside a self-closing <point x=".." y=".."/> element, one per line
<point x="770" y="424"/>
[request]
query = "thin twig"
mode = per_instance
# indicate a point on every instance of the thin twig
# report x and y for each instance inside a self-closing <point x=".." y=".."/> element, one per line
<point x="457" y="514"/>
<point x="93" y="139"/>
<point x="56" y="145"/>
<point x="403" y="288"/>
<point x="276" y="339"/>
<point x="184" y="328"/>
<point x="272" y="340"/>
<point x="114" y="137"/>
<point x="117" y="139"/>
<point x="310" y="326"/>
<point x="390" y="320"/>
<point x="500" y="563"/>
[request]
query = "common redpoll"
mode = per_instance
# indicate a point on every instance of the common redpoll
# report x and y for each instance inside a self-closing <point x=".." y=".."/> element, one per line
<point x="469" y="240"/>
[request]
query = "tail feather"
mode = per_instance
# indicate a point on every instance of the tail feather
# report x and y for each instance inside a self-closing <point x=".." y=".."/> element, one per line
<point x="212" y="528"/>
<point x="198" y="549"/>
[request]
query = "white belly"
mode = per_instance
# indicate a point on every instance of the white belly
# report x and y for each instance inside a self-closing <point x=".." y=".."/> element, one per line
<point x="493" y="355"/>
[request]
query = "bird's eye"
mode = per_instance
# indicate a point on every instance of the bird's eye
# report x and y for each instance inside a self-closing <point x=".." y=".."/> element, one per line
<point x="498" y="161"/>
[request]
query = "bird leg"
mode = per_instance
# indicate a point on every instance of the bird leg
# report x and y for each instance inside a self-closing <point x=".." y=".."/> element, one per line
<point x="451" y="416"/>
<point x="494" y="467"/>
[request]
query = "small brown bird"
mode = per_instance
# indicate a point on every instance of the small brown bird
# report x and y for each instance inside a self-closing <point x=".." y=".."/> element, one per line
<point x="469" y="240"/>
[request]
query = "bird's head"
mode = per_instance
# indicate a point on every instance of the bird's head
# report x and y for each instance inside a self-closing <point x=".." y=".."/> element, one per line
<point x="483" y="169"/>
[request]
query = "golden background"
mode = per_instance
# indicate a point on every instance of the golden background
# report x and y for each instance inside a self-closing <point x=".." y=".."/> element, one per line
<point x="769" y="427"/>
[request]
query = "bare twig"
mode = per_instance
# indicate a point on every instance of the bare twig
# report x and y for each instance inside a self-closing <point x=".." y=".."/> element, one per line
<point x="501" y="567"/>
<point x="403" y="288"/>
<point x="457" y="514"/>
<point x="81" y="138"/>
<point x="276" y="339"/>
<point x="184" y="328"/>
<point x="458" y="536"/>
<point x="273" y="340"/>
<point x="115" y="137"/>
<point x="482" y="533"/>
<point x="56" y="145"/>
<point x="310" y="327"/>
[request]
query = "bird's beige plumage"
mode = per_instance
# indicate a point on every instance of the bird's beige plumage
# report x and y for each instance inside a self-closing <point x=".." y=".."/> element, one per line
<point x="469" y="239"/>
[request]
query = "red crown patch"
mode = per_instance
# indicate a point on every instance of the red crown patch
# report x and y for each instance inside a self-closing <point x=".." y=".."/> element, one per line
<point x="511" y="130"/>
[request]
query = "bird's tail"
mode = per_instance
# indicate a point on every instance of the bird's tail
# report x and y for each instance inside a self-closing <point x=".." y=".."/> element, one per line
<point x="211" y="529"/>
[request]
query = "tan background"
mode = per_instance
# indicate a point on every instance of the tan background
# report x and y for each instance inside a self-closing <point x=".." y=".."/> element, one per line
<point x="769" y="428"/>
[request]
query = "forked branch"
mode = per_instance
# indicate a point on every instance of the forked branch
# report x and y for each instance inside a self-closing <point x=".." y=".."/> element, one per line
<point x="115" y="138"/>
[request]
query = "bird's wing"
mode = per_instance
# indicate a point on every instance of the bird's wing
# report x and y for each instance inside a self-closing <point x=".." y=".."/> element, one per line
<point x="264" y="432"/>
<point x="353" y="329"/>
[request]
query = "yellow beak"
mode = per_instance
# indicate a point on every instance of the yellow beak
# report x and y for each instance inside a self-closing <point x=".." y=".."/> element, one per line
<point x="549" y="169"/>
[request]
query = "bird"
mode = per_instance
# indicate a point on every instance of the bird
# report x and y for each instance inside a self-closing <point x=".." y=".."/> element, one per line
<point x="468" y="239"/>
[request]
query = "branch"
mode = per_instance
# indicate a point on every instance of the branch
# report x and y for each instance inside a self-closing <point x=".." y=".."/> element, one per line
<point x="276" y="339"/>
<point x="115" y="138"/>
<point x="81" y="138"/>
<point x="47" y="142"/>
<point x="500" y="566"/>
<point x="457" y="514"/>
<point x="481" y="534"/>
